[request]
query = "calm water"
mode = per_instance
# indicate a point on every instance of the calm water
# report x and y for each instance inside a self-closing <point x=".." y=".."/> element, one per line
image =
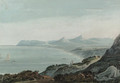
<point x="14" y="59"/>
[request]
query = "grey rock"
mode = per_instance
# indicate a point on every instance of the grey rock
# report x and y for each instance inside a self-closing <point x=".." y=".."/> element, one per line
<point x="110" y="58"/>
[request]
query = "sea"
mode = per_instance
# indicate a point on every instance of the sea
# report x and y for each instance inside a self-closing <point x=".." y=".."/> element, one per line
<point x="15" y="59"/>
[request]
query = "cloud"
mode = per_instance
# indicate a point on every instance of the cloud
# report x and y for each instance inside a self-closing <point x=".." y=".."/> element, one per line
<point x="53" y="19"/>
<point x="56" y="27"/>
<point x="23" y="10"/>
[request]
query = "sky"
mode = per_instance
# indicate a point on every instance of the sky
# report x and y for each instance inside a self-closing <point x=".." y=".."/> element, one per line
<point x="52" y="19"/>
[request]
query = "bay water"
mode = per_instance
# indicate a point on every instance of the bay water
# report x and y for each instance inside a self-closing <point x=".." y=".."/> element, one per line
<point x="14" y="59"/>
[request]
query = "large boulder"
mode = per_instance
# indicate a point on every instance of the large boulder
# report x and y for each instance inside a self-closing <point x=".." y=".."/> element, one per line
<point x="110" y="73"/>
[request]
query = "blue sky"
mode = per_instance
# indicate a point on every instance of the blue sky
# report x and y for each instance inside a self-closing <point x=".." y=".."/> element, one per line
<point x="52" y="19"/>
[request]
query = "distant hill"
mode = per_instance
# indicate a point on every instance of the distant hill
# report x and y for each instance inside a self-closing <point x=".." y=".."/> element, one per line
<point x="92" y="41"/>
<point x="64" y="44"/>
<point x="61" y="41"/>
<point x="30" y="43"/>
<point x="98" y="51"/>
<point x="69" y="44"/>
<point x="77" y="39"/>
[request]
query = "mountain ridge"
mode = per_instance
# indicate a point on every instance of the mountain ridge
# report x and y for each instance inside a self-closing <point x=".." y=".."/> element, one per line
<point x="78" y="41"/>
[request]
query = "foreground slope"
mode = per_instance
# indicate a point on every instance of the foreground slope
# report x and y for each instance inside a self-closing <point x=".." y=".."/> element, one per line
<point x="110" y="58"/>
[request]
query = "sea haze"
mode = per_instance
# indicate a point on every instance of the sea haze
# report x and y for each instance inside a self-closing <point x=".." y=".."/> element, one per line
<point x="14" y="59"/>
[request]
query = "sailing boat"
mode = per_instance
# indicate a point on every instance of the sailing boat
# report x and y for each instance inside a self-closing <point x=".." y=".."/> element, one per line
<point x="71" y="63"/>
<point x="0" y="56"/>
<point x="8" y="57"/>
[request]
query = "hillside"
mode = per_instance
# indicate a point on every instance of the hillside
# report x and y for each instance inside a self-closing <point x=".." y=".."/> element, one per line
<point x="110" y="58"/>
<point x="105" y="70"/>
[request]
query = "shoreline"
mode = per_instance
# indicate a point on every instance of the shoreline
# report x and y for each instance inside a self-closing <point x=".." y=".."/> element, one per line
<point x="29" y="76"/>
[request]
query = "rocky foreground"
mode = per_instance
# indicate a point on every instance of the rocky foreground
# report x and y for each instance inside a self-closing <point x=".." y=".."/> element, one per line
<point x="91" y="70"/>
<point x="50" y="75"/>
<point x="63" y="69"/>
<point x="26" y="77"/>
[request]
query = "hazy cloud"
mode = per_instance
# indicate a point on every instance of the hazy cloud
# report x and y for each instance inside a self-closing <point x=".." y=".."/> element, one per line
<point x="22" y="10"/>
<point x="53" y="19"/>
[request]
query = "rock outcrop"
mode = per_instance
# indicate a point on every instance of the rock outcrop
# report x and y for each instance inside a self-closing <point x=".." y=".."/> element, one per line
<point x="52" y="69"/>
<point x="114" y="51"/>
<point x="110" y="73"/>
<point x="110" y="58"/>
<point x="55" y="70"/>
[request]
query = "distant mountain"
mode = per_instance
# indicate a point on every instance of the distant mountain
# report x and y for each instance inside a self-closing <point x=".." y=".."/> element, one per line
<point x="69" y="43"/>
<point x="61" y="41"/>
<point x="30" y="43"/>
<point x="64" y="40"/>
<point x="77" y="39"/>
<point x="92" y="41"/>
